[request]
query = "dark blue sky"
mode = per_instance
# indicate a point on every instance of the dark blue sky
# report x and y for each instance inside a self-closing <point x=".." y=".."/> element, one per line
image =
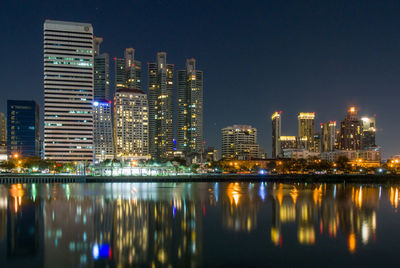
<point x="257" y="56"/>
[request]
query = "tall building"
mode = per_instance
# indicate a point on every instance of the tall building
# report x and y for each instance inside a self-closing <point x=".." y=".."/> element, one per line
<point x="190" y="109"/>
<point x="306" y="131"/>
<point x="350" y="131"/>
<point x="287" y="142"/>
<point x="276" y="134"/>
<point x="103" y="130"/>
<point x="23" y="128"/>
<point x="328" y="136"/>
<point x="240" y="142"/>
<point x="128" y="71"/>
<point x="161" y="107"/>
<point x="3" y="136"/>
<point x="368" y="132"/>
<point x="68" y="91"/>
<point x="131" y="124"/>
<point x="101" y="71"/>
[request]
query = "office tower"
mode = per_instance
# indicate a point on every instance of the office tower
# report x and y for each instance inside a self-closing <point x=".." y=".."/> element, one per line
<point x="350" y="131"/>
<point x="287" y="142"/>
<point x="239" y="142"/>
<point x="103" y="130"/>
<point x="68" y="91"/>
<point x="3" y="136"/>
<point x="276" y="134"/>
<point x="22" y="129"/>
<point x="131" y="124"/>
<point x="190" y="109"/>
<point x="317" y="143"/>
<point x="128" y="71"/>
<point x="328" y="136"/>
<point x="161" y="107"/>
<point x="368" y="132"/>
<point x="306" y="131"/>
<point x="101" y="71"/>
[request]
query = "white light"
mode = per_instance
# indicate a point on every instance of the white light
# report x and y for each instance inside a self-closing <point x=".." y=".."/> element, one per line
<point x="95" y="251"/>
<point x="96" y="103"/>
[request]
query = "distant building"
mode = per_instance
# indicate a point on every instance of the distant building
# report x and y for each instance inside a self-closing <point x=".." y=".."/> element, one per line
<point x="211" y="154"/>
<point x="131" y="124"/>
<point x="22" y="128"/>
<point x="190" y="109"/>
<point x="369" y="158"/>
<point x="316" y="143"/>
<point x="68" y="91"/>
<point x="299" y="154"/>
<point x="350" y="131"/>
<point x="128" y="71"/>
<point x="287" y="142"/>
<point x="306" y="130"/>
<point x="3" y="137"/>
<point x="161" y="107"/>
<point x="101" y="71"/>
<point x="240" y="142"/>
<point x="276" y="134"/>
<point x="328" y="136"/>
<point x="103" y="130"/>
<point x="368" y="132"/>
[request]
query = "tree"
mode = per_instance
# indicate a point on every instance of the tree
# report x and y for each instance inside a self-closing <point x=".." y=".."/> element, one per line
<point x="342" y="163"/>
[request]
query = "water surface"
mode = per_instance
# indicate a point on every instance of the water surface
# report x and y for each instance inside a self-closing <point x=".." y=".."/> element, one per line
<point x="198" y="225"/>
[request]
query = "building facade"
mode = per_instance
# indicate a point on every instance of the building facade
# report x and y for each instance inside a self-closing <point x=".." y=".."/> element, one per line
<point x="161" y="107"/>
<point x="240" y="142"/>
<point x="350" y="131"/>
<point x="103" y="130"/>
<point x="128" y="71"/>
<point x="131" y="124"/>
<point x="68" y="91"/>
<point x="306" y="130"/>
<point x="3" y="137"/>
<point x="22" y="129"/>
<point x="287" y="142"/>
<point x="368" y="132"/>
<point x="328" y="136"/>
<point x="190" y="109"/>
<point x="276" y="134"/>
<point x="101" y="72"/>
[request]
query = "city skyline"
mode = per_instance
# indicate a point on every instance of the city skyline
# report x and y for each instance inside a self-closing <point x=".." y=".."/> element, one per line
<point x="364" y="87"/>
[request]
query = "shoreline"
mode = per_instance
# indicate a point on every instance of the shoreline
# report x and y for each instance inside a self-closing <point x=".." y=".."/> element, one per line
<point x="284" y="178"/>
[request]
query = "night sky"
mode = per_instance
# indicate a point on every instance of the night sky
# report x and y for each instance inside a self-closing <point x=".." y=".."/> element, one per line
<point x="257" y="56"/>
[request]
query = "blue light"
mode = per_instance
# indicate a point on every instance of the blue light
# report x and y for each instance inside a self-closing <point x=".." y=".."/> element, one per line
<point x="101" y="251"/>
<point x="262" y="172"/>
<point x="96" y="103"/>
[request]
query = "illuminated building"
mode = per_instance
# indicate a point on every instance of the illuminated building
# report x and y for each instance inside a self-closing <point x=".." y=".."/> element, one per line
<point x="101" y="71"/>
<point x="276" y="134"/>
<point x="103" y="130"/>
<point x="23" y="128"/>
<point x="3" y="137"/>
<point x="68" y="91"/>
<point x="306" y="131"/>
<point x="211" y="154"/>
<point x="161" y="107"/>
<point x="131" y="124"/>
<point x="287" y="142"/>
<point x="299" y="153"/>
<point x="240" y="142"/>
<point x="368" y="132"/>
<point x="350" y="131"/>
<point x="190" y="109"/>
<point x="128" y="71"/>
<point x="328" y="136"/>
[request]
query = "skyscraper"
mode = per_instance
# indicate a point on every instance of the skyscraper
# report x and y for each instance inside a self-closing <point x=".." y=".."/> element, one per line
<point x="350" y="131"/>
<point x="3" y="135"/>
<point x="328" y="136"/>
<point x="101" y="71"/>
<point x="190" y="109"/>
<point x="23" y="128"/>
<point x="276" y="134"/>
<point x="68" y="91"/>
<point x="368" y="132"/>
<point x="103" y="130"/>
<point x="240" y="142"/>
<point x="128" y="71"/>
<point x="306" y="131"/>
<point x="131" y="124"/>
<point x="161" y="106"/>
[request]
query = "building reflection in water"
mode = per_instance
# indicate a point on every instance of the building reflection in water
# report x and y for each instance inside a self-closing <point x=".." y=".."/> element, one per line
<point x="137" y="224"/>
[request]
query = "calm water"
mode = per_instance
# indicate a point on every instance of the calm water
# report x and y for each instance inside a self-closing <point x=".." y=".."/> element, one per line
<point x="199" y="224"/>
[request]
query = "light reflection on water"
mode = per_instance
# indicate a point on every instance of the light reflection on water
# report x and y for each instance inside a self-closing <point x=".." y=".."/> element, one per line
<point x="195" y="224"/>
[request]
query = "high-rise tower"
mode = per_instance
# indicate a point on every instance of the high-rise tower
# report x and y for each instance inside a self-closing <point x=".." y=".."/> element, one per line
<point x="190" y="109"/>
<point x="161" y="106"/>
<point x="101" y="71"/>
<point x="368" y="132"/>
<point x="328" y="136"/>
<point x="68" y="91"/>
<point x="306" y="131"/>
<point x="276" y="134"/>
<point x="350" y="131"/>
<point x="128" y="71"/>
